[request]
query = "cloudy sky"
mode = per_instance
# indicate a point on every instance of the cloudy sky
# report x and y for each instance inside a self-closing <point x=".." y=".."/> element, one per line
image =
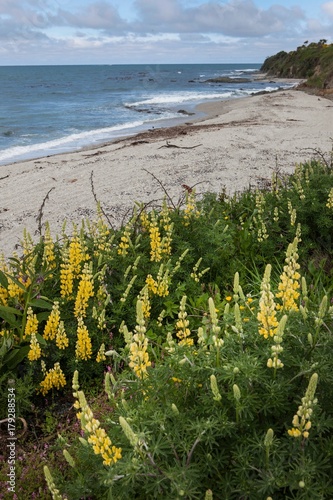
<point x="157" y="31"/>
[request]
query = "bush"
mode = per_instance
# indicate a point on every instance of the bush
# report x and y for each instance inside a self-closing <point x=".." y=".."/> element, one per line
<point x="238" y="407"/>
<point x="69" y="301"/>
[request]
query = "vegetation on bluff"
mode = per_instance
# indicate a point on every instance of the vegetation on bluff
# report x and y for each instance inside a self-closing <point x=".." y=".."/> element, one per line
<point x="311" y="61"/>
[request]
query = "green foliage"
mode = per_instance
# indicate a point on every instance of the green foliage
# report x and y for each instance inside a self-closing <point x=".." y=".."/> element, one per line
<point x="203" y="413"/>
<point x="214" y="416"/>
<point x="313" y="61"/>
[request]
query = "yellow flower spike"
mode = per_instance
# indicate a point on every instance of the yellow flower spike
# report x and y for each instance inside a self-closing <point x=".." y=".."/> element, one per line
<point x="54" y="378"/>
<point x="183" y="332"/>
<point x="238" y="319"/>
<point x="52" y="323"/>
<point x="190" y="210"/>
<point x="101" y="354"/>
<point x="144" y="297"/>
<point x="51" y="485"/>
<point x="98" y="438"/>
<point x="76" y="254"/>
<point x="75" y="382"/>
<point x="289" y="279"/>
<point x="213" y="315"/>
<point x="35" y="350"/>
<point x="139" y="358"/>
<point x="66" y="275"/>
<point x="125" y="240"/>
<point x="267" y="307"/>
<point x="83" y="348"/>
<point x="48" y="259"/>
<point x="329" y="203"/>
<point x="31" y="326"/>
<point x="302" y="420"/>
<point x="155" y="240"/>
<point x="85" y="291"/>
<point x="128" y="289"/>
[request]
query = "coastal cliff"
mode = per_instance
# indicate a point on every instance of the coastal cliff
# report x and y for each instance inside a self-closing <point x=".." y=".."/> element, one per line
<point x="313" y="62"/>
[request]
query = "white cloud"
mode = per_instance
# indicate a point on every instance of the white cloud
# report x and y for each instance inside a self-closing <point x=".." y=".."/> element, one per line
<point x="328" y="9"/>
<point x="185" y="30"/>
<point x="233" y="18"/>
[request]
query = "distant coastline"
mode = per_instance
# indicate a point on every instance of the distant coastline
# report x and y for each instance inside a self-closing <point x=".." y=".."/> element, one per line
<point x="77" y="107"/>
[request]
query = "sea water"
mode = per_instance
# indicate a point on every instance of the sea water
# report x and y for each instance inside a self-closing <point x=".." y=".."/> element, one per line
<point x="46" y="110"/>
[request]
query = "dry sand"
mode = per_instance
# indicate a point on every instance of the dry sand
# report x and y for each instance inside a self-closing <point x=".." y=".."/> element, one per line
<point x="237" y="145"/>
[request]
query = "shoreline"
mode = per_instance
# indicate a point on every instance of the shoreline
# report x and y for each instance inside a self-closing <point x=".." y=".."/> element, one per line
<point x="238" y="144"/>
<point x="189" y="113"/>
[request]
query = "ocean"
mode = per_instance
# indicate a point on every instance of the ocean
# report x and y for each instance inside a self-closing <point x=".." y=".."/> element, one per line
<point x="46" y="110"/>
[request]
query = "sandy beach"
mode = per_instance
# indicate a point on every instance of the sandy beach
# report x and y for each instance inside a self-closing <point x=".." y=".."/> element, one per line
<point x="239" y="143"/>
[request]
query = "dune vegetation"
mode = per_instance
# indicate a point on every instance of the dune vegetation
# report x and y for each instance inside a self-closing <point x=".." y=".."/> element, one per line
<point x="185" y="355"/>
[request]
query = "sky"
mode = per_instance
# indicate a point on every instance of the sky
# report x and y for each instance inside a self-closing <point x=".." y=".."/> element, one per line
<point x="36" y="32"/>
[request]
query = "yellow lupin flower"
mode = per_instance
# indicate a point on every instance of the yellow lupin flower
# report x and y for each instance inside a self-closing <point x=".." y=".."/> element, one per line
<point x="48" y="259"/>
<point x="267" y="313"/>
<point x="190" y="210"/>
<point x="139" y="357"/>
<point x="61" y="338"/>
<point x="101" y="354"/>
<point x="66" y="276"/>
<point x="289" y="279"/>
<point x="198" y="275"/>
<point x="277" y="349"/>
<point x="76" y="254"/>
<point x="53" y="379"/>
<point x="3" y="296"/>
<point x="160" y="286"/>
<point x="125" y="241"/>
<point x="183" y="332"/>
<point x="144" y="297"/>
<point x="51" y="485"/>
<point x="329" y="203"/>
<point x="302" y="419"/>
<point x="85" y="291"/>
<point x="102" y="239"/>
<point x="35" y="350"/>
<point x="83" y="348"/>
<point x="98" y="438"/>
<point x="27" y="243"/>
<point x="155" y="240"/>
<point x="52" y="324"/>
<point x="31" y="325"/>
<point x="144" y="219"/>
<point x="168" y="228"/>
<point x="14" y="290"/>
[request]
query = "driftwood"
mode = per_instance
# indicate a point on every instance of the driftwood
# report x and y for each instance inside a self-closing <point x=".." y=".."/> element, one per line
<point x="5" y="177"/>
<point x="168" y="145"/>
<point x="162" y="186"/>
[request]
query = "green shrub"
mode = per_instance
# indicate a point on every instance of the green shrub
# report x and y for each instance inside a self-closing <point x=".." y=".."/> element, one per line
<point x="236" y="402"/>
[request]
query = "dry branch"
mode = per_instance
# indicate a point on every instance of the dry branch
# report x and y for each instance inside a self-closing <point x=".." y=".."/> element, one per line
<point x="40" y="214"/>
<point x="97" y="202"/>
<point x="168" y="145"/>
